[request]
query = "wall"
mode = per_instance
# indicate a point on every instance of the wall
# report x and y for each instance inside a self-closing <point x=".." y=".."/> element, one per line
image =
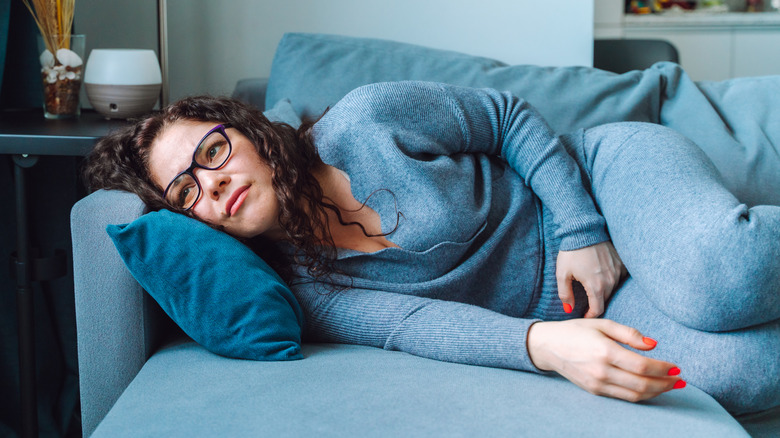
<point x="608" y="18"/>
<point x="213" y="44"/>
<point x="116" y="24"/>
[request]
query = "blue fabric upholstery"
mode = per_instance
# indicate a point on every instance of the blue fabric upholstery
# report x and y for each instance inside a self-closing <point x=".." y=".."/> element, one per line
<point x="736" y="123"/>
<point x="283" y="112"/>
<point x="114" y="333"/>
<point x="341" y="390"/>
<point x="354" y="391"/>
<point x="183" y="390"/>
<point x="214" y="287"/>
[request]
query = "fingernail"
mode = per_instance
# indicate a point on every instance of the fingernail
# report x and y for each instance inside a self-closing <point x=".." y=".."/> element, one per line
<point x="567" y="307"/>
<point x="674" y="372"/>
<point x="679" y="384"/>
<point x="649" y="341"/>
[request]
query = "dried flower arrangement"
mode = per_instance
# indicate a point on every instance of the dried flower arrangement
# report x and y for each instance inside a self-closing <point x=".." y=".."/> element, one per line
<point x="61" y="67"/>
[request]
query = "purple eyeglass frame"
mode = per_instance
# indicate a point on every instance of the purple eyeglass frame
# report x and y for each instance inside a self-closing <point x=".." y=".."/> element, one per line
<point x="195" y="165"/>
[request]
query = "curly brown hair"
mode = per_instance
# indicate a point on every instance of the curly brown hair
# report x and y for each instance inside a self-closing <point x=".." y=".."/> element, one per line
<point x="120" y="161"/>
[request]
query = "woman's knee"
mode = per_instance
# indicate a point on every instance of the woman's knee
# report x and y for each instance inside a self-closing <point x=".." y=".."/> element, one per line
<point x="641" y="140"/>
<point x="729" y="280"/>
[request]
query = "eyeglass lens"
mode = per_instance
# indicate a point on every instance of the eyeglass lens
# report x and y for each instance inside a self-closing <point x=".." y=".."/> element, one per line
<point x="210" y="154"/>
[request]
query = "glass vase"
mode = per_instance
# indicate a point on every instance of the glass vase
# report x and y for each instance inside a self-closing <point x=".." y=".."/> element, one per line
<point x="62" y="67"/>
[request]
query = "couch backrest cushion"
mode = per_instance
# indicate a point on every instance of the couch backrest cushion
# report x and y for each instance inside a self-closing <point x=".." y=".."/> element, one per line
<point x="215" y="288"/>
<point x="314" y="71"/>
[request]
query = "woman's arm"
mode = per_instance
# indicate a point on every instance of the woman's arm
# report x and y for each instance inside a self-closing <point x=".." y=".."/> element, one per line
<point x="586" y="352"/>
<point x="438" y="119"/>
<point x="436" y="329"/>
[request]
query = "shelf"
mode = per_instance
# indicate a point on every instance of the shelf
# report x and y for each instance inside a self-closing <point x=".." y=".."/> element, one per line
<point x="28" y="132"/>
<point x="703" y="19"/>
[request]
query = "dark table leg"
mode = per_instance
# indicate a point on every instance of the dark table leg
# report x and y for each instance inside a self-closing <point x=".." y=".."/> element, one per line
<point x="25" y="310"/>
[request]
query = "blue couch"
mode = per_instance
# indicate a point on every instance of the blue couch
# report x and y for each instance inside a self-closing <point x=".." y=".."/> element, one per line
<point x="141" y="376"/>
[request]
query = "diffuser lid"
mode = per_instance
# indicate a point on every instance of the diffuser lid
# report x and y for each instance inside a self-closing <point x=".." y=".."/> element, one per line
<point x="122" y="67"/>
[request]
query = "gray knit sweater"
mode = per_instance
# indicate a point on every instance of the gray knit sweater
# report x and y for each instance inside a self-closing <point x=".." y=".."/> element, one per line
<point x="467" y="169"/>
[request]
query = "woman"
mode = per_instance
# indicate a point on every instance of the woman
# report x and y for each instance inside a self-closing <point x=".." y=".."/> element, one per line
<point x="451" y="223"/>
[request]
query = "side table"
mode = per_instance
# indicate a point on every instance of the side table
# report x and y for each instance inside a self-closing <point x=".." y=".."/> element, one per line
<point x="26" y="135"/>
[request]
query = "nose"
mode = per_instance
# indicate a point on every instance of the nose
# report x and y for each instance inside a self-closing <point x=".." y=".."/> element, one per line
<point x="213" y="182"/>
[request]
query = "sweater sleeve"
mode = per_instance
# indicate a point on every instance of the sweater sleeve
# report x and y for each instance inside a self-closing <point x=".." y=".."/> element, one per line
<point x="494" y="123"/>
<point x="435" y="329"/>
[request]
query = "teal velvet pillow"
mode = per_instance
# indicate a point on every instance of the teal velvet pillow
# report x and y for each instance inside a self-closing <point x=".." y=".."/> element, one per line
<point x="215" y="288"/>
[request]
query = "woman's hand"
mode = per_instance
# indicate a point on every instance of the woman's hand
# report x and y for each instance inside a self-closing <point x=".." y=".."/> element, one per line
<point x="598" y="268"/>
<point x="586" y="352"/>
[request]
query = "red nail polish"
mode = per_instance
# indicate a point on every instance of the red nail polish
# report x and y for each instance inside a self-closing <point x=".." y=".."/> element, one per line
<point x="679" y="384"/>
<point x="674" y="371"/>
<point x="649" y="341"/>
<point x="567" y="307"/>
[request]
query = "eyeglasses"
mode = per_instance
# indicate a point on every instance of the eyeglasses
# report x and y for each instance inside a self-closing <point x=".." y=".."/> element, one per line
<point x="211" y="153"/>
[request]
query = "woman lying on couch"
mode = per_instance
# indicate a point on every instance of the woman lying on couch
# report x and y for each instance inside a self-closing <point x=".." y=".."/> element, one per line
<point x="451" y="223"/>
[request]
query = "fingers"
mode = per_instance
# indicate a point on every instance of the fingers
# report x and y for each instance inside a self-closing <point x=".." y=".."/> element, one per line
<point x="600" y="287"/>
<point x="627" y="335"/>
<point x="565" y="291"/>
<point x="628" y="385"/>
<point x="640" y="383"/>
<point x="588" y="352"/>
<point x="597" y="291"/>
<point x="627" y="394"/>
<point x="631" y="376"/>
<point x="630" y="361"/>
<point x="598" y="268"/>
<point x="637" y="364"/>
<point x="634" y="387"/>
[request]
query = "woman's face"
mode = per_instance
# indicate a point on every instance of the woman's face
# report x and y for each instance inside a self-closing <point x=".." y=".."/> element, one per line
<point x="237" y="196"/>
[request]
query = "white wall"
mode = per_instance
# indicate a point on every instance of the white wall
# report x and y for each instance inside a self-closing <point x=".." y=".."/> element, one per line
<point x="608" y="18"/>
<point x="213" y="44"/>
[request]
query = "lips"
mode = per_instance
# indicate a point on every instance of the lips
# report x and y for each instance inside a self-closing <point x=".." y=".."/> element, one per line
<point x="235" y="200"/>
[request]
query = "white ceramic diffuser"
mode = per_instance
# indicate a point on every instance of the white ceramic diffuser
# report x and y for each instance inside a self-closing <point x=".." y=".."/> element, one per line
<point x="122" y="83"/>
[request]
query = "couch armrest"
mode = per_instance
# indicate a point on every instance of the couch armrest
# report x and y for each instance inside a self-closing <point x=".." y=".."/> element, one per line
<point x="252" y="91"/>
<point x="112" y="338"/>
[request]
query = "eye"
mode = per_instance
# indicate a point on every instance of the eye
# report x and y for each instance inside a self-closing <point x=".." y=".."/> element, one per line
<point x="182" y="198"/>
<point x="213" y="152"/>
<point x="186" y="196"/>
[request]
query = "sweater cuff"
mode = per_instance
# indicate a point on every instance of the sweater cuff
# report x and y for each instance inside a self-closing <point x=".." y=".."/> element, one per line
<point x="534" y="368"/>
<point x="580" y="240"/>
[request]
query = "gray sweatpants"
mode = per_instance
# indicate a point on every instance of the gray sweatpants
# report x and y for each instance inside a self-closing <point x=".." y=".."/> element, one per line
<point x="704" y="268"/>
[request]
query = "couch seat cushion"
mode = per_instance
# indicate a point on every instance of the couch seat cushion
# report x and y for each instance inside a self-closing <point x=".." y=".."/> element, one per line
<point x="344" y="390"/>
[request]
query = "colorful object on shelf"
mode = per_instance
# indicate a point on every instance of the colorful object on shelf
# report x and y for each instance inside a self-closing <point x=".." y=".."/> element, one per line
<point x="687" y="5"/>
<point x="648" y="7"/>
<point x="639" y="7"/>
